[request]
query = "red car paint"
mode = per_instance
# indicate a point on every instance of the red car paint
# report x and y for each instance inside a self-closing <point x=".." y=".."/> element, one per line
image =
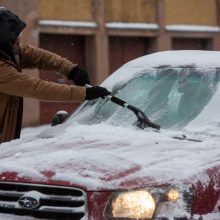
<point x="205" y="197"/>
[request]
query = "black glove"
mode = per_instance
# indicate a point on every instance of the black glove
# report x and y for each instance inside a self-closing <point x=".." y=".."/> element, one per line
<point x="79" y="76"/>
<point x="96" y="92"/>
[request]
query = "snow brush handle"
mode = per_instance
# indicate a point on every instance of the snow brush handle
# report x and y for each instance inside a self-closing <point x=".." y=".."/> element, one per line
<point x="119" y="101"/>
<point x="113" y="98"/>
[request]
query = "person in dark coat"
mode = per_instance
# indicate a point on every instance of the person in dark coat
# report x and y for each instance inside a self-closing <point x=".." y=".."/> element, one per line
<point x="14" y="84"/>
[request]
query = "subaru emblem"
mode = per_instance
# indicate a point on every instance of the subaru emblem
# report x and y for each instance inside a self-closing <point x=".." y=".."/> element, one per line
<point x="28" y="202"/>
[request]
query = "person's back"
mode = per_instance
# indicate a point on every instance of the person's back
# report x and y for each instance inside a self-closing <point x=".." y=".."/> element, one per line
<point x="14" y="84"/>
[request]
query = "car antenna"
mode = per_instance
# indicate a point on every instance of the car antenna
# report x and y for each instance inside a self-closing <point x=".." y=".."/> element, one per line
<point x="143" y="120"/>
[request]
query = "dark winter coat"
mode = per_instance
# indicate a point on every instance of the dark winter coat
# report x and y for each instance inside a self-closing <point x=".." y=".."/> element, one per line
<point x="14" y="85"/>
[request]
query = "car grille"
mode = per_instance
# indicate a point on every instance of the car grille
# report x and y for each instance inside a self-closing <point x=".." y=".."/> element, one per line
<point x="43" y="201"/>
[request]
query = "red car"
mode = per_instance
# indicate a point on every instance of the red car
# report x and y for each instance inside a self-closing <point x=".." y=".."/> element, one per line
<point x="148" y="151"/>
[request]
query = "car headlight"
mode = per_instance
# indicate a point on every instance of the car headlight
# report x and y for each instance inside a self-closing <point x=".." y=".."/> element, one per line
<point x="147" y="204"/>
<point x="134" y="204"/>
<point x="172" y="195"/>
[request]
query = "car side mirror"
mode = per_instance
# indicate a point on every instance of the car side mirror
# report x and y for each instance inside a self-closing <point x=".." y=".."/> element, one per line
<point x="59" y="118"/>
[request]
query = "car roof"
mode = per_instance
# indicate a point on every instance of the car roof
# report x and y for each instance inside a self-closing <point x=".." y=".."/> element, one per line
<point x="176" y="58"/>
<point x="171" y="59"/>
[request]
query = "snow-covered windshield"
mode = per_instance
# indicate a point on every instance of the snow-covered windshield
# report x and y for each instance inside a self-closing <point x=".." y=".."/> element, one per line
<point x="171" y="97"/>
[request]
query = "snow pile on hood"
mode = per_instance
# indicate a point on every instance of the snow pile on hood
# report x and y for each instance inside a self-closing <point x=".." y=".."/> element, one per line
<point x="104" y="156"/>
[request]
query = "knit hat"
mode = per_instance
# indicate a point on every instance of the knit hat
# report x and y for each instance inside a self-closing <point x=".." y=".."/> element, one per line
<point x="10" y="25"/>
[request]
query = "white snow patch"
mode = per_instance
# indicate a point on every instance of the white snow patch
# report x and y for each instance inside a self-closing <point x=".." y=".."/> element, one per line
<point x="192" y="28"/>
<point x="211" y="216"/>
<point x="30" y="131"/>
<point x="125" y="25"/>
<point x="68" y="23"/>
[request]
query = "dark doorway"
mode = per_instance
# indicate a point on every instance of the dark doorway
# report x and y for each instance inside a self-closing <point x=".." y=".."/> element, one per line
<point x="124" y="49"/>
<point x="191" y="44"/>
<point x="70" y="47"/>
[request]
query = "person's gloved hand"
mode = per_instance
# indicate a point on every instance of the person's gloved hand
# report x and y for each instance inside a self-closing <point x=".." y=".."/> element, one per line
<point x="79" y="76"/>
<point x="95" y="92"/>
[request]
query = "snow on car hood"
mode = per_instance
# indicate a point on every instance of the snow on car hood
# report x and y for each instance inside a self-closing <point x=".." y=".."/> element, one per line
<point x="104" y="157"/>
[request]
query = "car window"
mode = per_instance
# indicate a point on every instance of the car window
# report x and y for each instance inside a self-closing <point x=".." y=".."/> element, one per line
<point x="171" y="97"/>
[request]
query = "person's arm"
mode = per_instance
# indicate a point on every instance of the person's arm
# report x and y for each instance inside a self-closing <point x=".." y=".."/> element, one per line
<point x="33" y="57"/>
<point x="15" y="83"/>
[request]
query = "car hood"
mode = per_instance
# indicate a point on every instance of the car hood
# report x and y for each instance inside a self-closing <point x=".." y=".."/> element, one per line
<point x="106" y="157"/>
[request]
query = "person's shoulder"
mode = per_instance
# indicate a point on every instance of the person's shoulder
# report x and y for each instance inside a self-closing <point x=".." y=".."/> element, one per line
<point x="27" y="49"/>
<point x="24" y="47"/>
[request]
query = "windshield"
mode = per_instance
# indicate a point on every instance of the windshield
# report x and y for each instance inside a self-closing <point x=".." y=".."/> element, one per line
<point x="170" y="97"/>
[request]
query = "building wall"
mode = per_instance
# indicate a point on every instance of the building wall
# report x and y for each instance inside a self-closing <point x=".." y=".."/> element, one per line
<point x="200" y="12"/>
<point x="106" y="30"/>
<point x="196" y="12"/>
<point x="140" y="11"/>
<point x="111" y="42"/>
<point x="77" y="10"/>
<point x="20" y="7"/>
<point x="160" y="13"/>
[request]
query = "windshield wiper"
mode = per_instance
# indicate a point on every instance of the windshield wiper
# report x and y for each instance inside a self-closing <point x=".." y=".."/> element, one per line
<point x="183" y="137"/>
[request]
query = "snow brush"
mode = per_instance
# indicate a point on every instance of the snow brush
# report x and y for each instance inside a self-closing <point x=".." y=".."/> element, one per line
<point x="143" y="120"/>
